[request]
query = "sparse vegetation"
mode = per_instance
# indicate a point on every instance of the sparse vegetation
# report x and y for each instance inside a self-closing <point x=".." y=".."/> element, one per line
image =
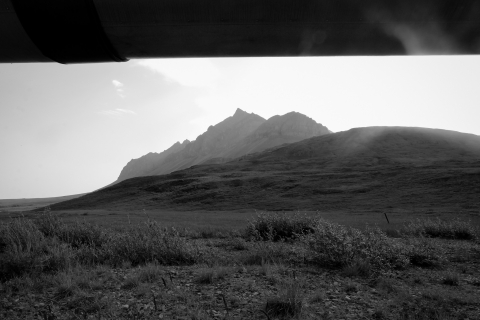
<point x="148" y="271"/>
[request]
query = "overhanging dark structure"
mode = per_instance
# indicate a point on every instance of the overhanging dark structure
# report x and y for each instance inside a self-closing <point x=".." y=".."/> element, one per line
<point x="87" y="31"/>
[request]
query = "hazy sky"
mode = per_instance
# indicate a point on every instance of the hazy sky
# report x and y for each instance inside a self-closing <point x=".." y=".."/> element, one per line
<point x="71" y="129"/>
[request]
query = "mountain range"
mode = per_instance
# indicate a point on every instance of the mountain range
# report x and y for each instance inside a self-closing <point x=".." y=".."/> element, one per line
<point x="238" y="135"/>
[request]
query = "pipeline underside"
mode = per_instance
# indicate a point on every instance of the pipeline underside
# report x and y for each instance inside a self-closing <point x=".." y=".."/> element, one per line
<point x="87" y="31"/>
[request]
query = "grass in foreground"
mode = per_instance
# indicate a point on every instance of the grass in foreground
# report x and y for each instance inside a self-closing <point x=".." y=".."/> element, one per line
<point x="51" y="269"/>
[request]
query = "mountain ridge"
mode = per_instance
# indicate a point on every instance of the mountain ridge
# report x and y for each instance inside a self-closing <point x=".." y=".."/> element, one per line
<point x="235" y="136"/>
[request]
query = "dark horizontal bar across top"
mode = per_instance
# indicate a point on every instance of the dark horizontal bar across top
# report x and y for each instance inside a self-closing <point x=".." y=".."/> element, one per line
<point x="111" y="30"/>
<point x="66" y="31"/>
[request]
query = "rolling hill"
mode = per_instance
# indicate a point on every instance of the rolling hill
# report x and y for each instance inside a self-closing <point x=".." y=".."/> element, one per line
<point x="362" y="169"/>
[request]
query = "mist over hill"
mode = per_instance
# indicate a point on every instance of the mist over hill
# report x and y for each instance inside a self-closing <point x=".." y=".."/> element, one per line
<point x="373" y="168"/>
<point x="235" y="136"/>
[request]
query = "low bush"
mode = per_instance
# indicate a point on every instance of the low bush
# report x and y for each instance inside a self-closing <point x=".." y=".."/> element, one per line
<point x="278" y="226"/>
<point x="150" y="243"/>
<point x="437" y="228"/>
<point x="424" y="253"/>
<point x="48" y="245"/>
<point x="339" y="246"/>
<point x="26" y="250"/>
<point x="76" y="234"/>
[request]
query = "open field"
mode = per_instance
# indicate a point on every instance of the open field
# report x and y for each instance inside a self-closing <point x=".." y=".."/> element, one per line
<point x="295" y="232"/>
<point x="70" y="269"/>
<point x="233" y="220"/>
<point x="18" y="205"/>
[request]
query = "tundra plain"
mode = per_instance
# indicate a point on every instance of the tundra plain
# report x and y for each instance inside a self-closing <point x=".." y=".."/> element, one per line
<point x="370" y="223"/>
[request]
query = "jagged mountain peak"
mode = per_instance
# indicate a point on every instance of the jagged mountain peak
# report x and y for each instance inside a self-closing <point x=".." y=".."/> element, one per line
<point x="239" y="112"/>
<point x="235" y="136"/>
<point x="291" y="124"/>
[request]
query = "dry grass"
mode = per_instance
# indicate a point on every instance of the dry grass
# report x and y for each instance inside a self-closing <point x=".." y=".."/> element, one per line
<point x="161" y="271"/>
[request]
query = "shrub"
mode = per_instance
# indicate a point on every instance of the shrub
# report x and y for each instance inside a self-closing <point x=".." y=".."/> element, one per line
<point x="436" y="228"/>
<point x="21" y="235"/>
<point x="277" y="226"/>
<point x="76" y="234"/>
<point x="57" y="256"/>
<point x="49" y="224"/>
<point x="339" y="246"/>
<point x="425" y="254"/>
<point x="150" y="243"/>
<point x="25" y="250"/>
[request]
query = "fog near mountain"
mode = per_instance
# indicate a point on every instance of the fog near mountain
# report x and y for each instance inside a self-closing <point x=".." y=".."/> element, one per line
<point x="238" y="135"/>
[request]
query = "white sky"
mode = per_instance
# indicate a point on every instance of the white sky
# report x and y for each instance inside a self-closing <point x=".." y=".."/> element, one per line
<point x="71" y="129"/>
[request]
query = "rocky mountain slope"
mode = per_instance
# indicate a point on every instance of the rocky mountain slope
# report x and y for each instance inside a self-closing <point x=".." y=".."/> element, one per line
<point x="145" y="164"/>
<point x="236" y="136"/>
<point x="212" y="143"/>
<point x="278" y="130"/>
<point x="364" y="169"/>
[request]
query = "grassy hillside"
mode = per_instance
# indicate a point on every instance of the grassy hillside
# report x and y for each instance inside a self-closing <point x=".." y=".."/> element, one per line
<point x="378" y="169"/>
